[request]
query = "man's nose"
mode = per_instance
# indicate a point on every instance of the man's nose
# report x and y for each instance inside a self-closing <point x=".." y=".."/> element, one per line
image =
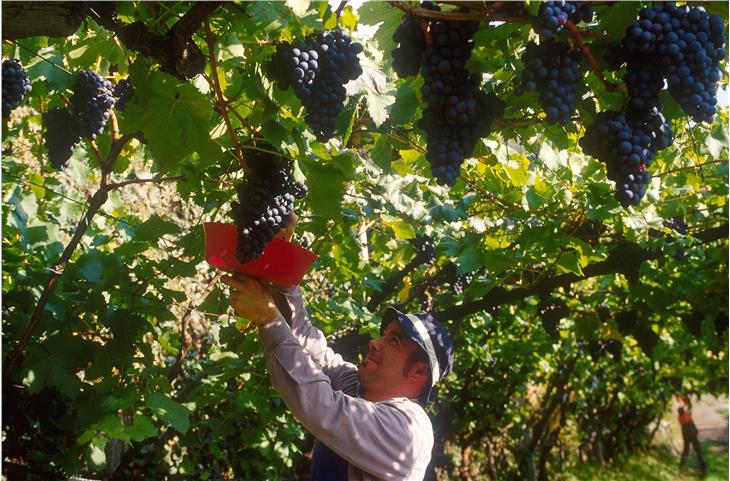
<point x="374" y="346"/>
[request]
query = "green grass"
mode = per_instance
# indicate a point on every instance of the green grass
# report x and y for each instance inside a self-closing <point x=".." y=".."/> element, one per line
<point x="657" y="464"/>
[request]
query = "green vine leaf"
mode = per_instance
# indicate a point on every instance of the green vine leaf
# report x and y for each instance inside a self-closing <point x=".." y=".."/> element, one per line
<point x="154" y="228"/>
<point x="174" y="117"/>
<point x="169" y="411"/>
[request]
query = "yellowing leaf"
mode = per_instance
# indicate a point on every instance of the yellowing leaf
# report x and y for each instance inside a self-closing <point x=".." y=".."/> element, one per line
<point x="348" y="18"/>
<point x="517" y="168"/>
<point x="404" y="293"/>
<point x="404" y="164"/>
<point x="401" y="228"/>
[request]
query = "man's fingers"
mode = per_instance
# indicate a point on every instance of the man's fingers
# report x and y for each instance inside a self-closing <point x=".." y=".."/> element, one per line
<point x="242" y="282"/>
<point x="250" y="299"/>
<point x="237" y="283"/>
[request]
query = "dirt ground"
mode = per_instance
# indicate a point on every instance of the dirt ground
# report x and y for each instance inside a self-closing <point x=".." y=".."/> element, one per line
<point x="710" y="415"/>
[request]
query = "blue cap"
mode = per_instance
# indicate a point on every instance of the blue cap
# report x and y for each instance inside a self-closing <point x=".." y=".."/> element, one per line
<point x="431" y="337"/>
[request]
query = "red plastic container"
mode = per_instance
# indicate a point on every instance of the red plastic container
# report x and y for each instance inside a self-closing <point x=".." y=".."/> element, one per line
<point x="282" y="262"/>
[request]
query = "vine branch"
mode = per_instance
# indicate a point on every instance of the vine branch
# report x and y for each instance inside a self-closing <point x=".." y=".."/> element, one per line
<point x="503" y="123"/>
<point x="175" y="51"/>
<point x="623" y="258"/>
<point x="156" y="180"/>
<point x="220" y="99"/>
<point x="505" y="204"/>
<point x="97" y="152"/>
<point x="340" y="8"/>
<point x="97" y="201"/>
<point x="691" y="167"/>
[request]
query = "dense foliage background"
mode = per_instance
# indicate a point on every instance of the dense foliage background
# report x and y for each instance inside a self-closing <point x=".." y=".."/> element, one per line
<point x="121" y="359"/>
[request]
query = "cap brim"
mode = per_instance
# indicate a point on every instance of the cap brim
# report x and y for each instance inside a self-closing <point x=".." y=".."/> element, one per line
<point x="392" y="314"/>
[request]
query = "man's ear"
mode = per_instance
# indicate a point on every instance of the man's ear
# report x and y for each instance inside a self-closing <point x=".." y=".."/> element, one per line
<point x="419" y="371"/>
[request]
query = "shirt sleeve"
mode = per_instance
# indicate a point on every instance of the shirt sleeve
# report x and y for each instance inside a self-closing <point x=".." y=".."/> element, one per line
<point x="384" y="439"/>
<point x="291" y="305"/>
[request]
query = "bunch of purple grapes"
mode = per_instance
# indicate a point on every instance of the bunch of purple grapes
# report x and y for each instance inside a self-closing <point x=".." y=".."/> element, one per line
<point x="424" y="246"/>
<point x="15" y="85"/>
<point x="317" y="69"/>
<point x="552" y="69"/>
<point x="60" y="136"/>
<point x="459" y="112"/>
<point x="123" y="92"/>
<point x="462" y="283"/>
<point x="91" y="103"/>
<point x="265" y="201"/>
<point x="627" y="146"/>
<point x="551" y="310"/>
<point x="411" y="41"/>
<point x="684" y="45"/>
<point x="92" y="99"/>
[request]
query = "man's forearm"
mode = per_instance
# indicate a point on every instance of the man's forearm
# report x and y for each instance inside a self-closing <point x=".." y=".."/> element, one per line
<point x="290" y="302"/>
<point x="280" y="299"/>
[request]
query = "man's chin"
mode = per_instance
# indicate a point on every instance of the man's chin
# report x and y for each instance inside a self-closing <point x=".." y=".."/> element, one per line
<point x="364" y="366"/>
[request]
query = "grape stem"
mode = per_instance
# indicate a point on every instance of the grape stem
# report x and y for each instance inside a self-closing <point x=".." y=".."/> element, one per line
<point x="220" y="99"/>
<point x="590" y="33"/>
<point x="504" y="203"/>
<point x="340" y="8"/>
<point x="578" y="36"/>
<point x="115" y="126"/>
<point x="96" y="150"/>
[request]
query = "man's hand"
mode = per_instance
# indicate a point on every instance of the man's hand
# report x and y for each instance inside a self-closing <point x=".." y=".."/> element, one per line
<point x="250" y="299"/>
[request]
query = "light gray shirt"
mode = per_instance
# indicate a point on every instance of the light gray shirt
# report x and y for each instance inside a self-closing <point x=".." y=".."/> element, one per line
<point x="386" y="440"/>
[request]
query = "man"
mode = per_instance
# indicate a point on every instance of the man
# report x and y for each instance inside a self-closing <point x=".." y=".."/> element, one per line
<point x="689" y="436"/>
<point x="368" y="420"/>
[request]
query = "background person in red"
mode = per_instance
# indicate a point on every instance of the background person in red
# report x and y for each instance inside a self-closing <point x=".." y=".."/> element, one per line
<point x="689" y="436"/>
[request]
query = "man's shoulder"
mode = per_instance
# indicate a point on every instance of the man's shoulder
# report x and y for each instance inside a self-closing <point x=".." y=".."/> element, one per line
<point x="408" y="407"/>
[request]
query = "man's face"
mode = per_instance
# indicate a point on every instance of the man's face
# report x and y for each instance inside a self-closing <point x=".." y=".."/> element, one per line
<point x="382" y="371"/>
